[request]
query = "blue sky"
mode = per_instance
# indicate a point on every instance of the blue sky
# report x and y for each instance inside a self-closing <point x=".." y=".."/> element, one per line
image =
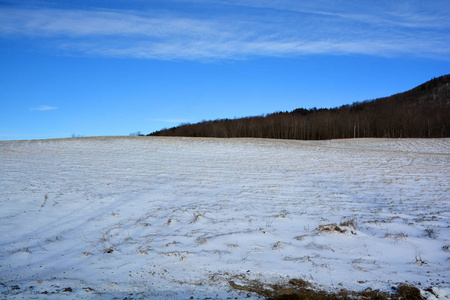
<point x="114" y="67"/>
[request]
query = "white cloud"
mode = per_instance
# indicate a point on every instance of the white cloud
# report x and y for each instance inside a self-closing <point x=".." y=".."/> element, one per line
<point x="44" y="108"/>
<point x="266" y="28"/>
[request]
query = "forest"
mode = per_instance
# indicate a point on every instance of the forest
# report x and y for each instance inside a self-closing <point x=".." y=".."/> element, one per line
<point x="423" y="112"/>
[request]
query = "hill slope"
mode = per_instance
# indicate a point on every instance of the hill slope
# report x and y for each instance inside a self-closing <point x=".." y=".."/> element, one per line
<point x="421" y="112"/>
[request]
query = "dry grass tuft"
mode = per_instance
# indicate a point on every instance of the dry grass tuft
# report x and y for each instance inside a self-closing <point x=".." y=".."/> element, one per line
<point x="330" y="228"/>
<point x="197" y="216"/>
<point x="349" y="223"/>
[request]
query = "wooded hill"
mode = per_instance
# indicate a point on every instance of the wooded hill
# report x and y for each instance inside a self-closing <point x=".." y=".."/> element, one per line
<point x="423" y="112"/>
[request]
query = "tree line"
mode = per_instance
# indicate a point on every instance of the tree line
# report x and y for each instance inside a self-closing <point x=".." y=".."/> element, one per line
<point x="423" y="112"/>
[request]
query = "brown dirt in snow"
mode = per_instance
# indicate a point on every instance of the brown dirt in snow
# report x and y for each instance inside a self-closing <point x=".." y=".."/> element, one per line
<point x="298" y="289"/>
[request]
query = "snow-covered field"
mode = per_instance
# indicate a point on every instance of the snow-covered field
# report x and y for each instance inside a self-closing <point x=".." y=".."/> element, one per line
<point x="180" y="217"/>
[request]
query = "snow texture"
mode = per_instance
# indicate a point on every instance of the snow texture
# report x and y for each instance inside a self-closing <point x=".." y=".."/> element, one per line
<point x="160" y="217"/>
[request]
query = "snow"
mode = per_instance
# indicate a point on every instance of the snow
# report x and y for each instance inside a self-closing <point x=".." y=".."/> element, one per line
<point x="160" y="217"/>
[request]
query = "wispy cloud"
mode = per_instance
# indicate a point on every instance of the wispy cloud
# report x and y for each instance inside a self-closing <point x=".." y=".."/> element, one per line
<point x="239" y="29"/>
<point x="44" y="108"/>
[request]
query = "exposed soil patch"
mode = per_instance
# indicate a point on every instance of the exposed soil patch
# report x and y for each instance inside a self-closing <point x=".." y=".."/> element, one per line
<point x="298" y="289"/>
